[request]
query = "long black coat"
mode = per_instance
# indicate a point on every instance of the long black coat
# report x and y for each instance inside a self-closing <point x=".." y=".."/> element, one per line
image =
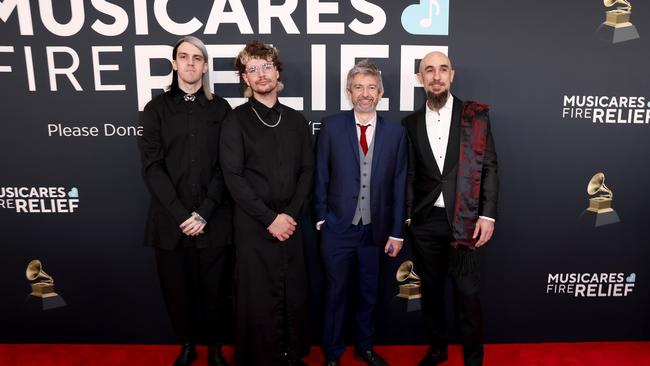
<point x="268" y="170"/>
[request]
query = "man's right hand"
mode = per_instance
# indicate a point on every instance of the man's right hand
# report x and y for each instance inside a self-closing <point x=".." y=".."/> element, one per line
<point x="193" y="226"/>
<point x="282" y="227"/>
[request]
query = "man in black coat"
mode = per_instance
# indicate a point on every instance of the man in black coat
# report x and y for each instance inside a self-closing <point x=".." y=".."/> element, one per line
<point x="268" y="163"/>
<point x="190" y="217"/>
<point x="451" y="205"/>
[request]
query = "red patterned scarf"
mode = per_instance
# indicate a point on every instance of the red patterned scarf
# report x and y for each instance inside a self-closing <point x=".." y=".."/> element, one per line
<point x="473" y="141"/>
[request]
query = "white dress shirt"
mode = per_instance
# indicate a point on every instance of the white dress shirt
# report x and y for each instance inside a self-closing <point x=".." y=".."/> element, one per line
<point x="370" y="131"/>
<point x="438" y="125"/>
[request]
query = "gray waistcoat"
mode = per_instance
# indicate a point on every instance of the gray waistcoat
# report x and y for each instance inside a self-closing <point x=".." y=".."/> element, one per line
<point x="362" y="213"/>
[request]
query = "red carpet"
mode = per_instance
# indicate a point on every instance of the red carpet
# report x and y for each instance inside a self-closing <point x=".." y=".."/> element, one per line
<point x="562" y="354"/>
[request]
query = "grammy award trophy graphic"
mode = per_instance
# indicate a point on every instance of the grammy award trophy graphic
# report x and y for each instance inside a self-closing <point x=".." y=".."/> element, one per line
<point x="410" y="290"/>
<point x="43" y="286"/>
<point x="617" y="26"/>
<point x="600" y="211"/>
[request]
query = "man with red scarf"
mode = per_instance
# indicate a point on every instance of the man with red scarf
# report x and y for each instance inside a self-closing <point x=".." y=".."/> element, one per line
<point x="451" y="203"/>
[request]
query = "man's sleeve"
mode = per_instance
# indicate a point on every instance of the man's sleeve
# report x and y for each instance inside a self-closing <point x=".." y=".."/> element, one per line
<point x="399" y="187"/>
<point x="232" y="164"/>
<point x="410" y="174"/>
<point x="489" y="178"/>
<point x="216" y="186"/>
<point x="153" y="164"/>
<point x="322" y="176"/>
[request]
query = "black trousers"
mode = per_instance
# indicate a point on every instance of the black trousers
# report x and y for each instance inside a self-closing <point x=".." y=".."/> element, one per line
<point x="197" y="288"/>
<point x="432" y="251"/>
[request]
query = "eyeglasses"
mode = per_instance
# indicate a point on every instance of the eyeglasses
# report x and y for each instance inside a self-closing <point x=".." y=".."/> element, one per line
<point x="264" y="67"/>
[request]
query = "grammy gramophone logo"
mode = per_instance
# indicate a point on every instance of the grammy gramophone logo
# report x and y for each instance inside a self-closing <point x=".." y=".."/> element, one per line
<point x="43" y="286"/>
<point x="411" y="289"/>
<point x="617" y="26"/>
<point x="600" y="211"/>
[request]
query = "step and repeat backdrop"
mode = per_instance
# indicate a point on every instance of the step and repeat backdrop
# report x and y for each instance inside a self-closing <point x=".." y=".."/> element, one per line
<point x="568" y="86"/>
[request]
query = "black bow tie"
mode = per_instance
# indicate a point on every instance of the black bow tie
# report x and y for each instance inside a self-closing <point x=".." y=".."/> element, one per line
<point x="189" y="97"/>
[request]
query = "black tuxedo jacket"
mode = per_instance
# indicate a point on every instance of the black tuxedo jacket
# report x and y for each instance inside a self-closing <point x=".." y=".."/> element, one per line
<point x="425" y="181"/>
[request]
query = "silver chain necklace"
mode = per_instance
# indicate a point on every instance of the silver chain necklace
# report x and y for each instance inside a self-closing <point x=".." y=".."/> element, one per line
<point x="266" y="124"/>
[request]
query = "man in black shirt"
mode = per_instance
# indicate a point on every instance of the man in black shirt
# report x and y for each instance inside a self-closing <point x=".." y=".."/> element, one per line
<point x="190" y="217"/>
<point x="267" y="160"/>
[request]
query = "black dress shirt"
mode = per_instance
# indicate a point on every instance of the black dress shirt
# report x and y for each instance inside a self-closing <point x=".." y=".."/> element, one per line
<point x="269" y="170"/>
<point x="180" y="158"/>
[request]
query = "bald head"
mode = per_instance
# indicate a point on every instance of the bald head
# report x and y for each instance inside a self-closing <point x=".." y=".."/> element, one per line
<point x="436" y="75"/>
<point x="435" y="58"/>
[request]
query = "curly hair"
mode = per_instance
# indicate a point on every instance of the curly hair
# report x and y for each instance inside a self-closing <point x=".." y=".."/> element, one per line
<point x="257" y="50"/>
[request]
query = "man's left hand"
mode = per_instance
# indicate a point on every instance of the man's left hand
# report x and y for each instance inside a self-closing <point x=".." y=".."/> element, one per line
<point x="484" y="228"/>
<point x="194" y="225"/>
<point x="397" y="246"/>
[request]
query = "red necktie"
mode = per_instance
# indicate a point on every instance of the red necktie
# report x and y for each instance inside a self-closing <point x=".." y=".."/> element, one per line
<point x="362" y="141"/>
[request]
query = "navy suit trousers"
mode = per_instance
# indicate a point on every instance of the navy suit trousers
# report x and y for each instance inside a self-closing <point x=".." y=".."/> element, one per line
<point x="343" y="253"/>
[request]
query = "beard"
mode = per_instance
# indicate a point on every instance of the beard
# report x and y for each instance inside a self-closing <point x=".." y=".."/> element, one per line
<point x="436" y="101"/>
<point x="362" y="109"/>
<point x="266" y="88"/>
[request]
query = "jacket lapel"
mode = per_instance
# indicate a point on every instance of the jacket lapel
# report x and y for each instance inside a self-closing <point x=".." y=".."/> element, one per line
<point x="378" y="141"/>
<point x="453" y="144"/>
<point x="423" y="142"/>
<point x="351" y="129"/>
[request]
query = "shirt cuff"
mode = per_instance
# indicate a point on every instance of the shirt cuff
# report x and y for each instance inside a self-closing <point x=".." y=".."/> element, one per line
<point x="487" y="218"/>
<point x="319" y="224"/>
<point x="394" y="238"/>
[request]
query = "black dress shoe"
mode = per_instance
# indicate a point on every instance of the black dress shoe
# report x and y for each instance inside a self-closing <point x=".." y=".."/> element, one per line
<point x="370" y="357"/>
<point x="215" y="357"/>
<point x="433" y="357"/>
<point x="187" y="355"/>
<point x="332" y="363"/>
<point x="289" y="360"/>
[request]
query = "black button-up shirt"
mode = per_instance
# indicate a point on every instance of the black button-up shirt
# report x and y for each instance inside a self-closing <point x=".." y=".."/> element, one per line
<point x="180" y="158"/>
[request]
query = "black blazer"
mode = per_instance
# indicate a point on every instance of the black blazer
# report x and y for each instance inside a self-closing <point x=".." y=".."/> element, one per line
<point x="425" y="182"/>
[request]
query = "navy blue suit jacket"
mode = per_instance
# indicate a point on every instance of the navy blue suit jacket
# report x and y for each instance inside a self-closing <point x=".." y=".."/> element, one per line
<point x="337" y="179"/>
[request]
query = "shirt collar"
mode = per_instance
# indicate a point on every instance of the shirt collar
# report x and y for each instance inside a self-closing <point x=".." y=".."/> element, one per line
<point x="178" y="94"/>
<point x="371" y="122"/>
<point x="262" y="109"/>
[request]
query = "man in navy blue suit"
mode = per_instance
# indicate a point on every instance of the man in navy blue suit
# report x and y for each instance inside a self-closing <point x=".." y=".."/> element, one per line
<point x="359" y="204"/>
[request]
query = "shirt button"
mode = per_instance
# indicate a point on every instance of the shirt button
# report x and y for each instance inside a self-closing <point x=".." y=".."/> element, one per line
<point x="364" y="186"/>
<point x="364" y="174"/>
<point x="363" y="198"/>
